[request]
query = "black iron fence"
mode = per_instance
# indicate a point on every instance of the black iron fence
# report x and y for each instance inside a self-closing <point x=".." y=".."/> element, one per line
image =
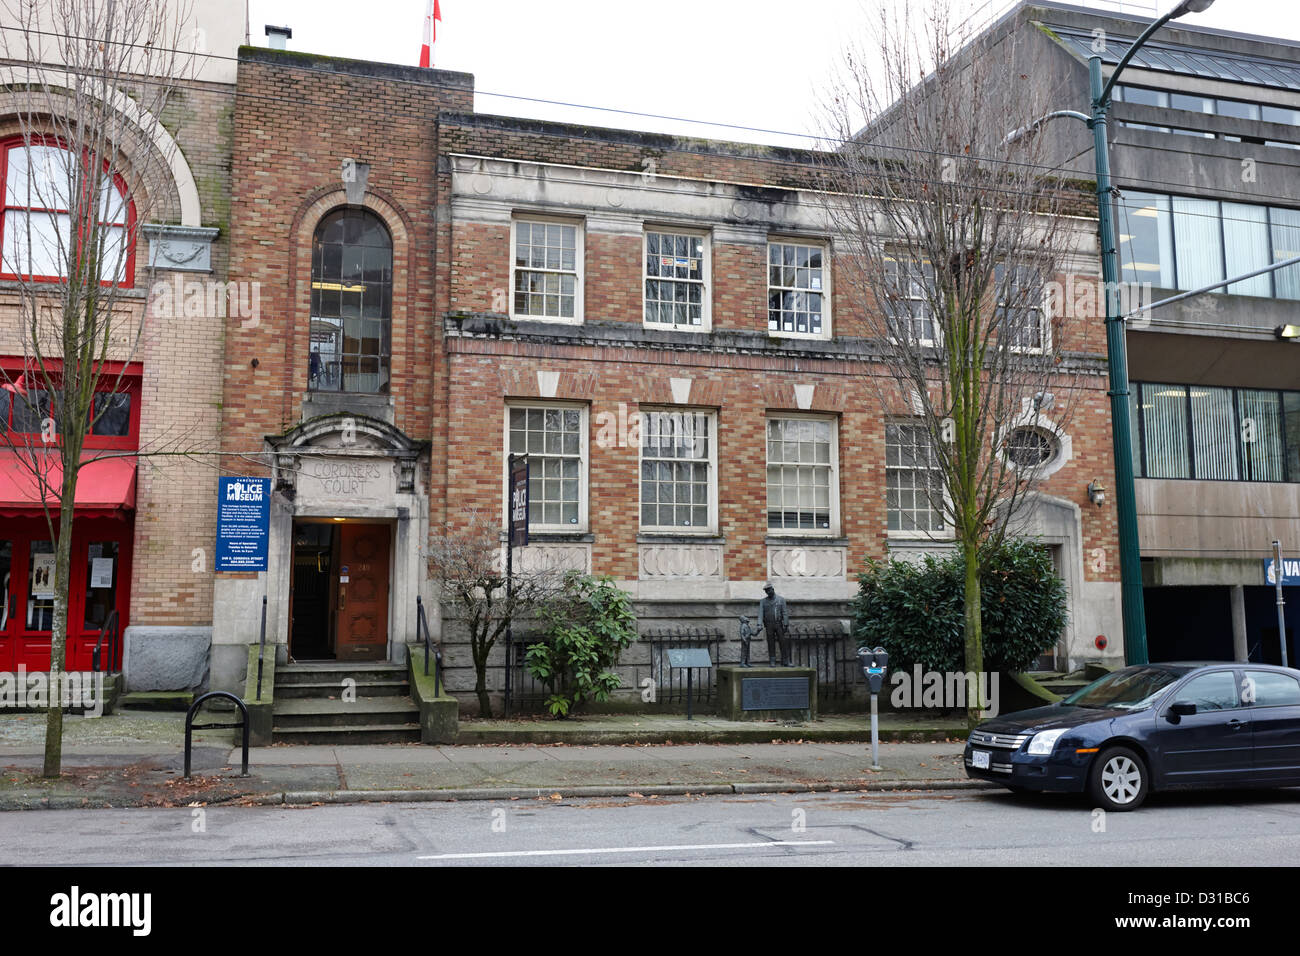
<point x="830" y="652"/>
<point x="825" y="647"/>
<point x="670" y="682"/>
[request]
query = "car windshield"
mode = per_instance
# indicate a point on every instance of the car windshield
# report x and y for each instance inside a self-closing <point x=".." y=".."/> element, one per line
<point x="1131" y="689"/>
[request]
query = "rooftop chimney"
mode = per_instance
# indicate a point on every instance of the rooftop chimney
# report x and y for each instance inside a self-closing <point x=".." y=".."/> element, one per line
<point x="278" y="37"/>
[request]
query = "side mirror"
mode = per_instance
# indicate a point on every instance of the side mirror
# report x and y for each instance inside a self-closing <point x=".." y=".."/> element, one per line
<point x="1180" y="709"/>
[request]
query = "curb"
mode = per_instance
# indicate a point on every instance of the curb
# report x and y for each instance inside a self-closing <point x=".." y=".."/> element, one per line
<point x="308" y="797"/>
<point x="300" y="798"/>
<point x="765" y="735"/>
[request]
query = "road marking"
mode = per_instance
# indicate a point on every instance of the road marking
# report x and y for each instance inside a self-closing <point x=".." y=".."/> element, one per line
<point x="627" y="849"/>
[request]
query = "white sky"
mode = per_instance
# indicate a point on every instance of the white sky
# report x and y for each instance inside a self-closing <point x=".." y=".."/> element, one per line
<point x="753" y="63"/>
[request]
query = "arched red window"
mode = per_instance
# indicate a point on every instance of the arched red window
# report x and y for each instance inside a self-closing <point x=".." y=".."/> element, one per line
<point x="37" y="239"/>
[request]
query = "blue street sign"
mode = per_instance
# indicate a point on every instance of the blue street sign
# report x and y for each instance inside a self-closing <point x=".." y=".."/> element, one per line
<point x="243" y="523"/>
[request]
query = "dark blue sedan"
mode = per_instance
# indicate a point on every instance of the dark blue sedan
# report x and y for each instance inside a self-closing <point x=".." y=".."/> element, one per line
<point x="1150" y="727"/>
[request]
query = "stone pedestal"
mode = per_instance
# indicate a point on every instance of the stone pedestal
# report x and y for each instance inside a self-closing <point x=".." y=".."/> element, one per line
<point x="767" y="693"/>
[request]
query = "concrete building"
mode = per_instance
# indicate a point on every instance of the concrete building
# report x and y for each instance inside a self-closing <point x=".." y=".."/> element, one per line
<point x="1205" y="154"/>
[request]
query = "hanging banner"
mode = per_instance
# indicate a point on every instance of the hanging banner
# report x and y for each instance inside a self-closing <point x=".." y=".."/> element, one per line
<point x="518" y="501"/>
<point x="243" y="523"/>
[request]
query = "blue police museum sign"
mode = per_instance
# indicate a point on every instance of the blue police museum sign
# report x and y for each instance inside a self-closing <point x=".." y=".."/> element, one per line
<point x="1290" y="571"/>
<point x="243" y="523"/>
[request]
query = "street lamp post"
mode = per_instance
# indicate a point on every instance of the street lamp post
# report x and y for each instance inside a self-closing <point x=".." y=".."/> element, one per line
<point x="1130" y="560"/>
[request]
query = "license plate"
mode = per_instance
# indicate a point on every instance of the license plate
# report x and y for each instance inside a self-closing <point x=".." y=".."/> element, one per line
<point x="979" y="759"/>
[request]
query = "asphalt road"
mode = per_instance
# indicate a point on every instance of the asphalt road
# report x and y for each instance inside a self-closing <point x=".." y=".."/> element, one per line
<point x="833" y="829"/>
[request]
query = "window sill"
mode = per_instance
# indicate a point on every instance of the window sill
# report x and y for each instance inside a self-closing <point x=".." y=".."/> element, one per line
<point x="37" y="283"/>
<point x="691" y="329"/>
<point x="550" y="319"/>
<point x="824" y="541"/>
<point x="664" y="537"/>
<point x="557" y="537"/>
<point x="918" y="537"/>
<point x="807" y="337"/>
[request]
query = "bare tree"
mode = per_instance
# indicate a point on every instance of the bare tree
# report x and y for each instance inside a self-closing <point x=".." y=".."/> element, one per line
<point x="90" y="81"/>
<point x="950" y="240"/>
<point x="467" y="562"/>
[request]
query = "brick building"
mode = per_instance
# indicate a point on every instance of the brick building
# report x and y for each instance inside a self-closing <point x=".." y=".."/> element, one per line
<point x="144" y="524"/>
<point x="653" y="318"/>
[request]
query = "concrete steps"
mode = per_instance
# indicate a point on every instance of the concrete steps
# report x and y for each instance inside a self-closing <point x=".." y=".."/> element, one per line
<point x="310" y="707"/>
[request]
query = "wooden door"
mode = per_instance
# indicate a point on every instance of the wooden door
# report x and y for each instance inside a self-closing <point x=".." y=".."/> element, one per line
<point x="362" y="602"/>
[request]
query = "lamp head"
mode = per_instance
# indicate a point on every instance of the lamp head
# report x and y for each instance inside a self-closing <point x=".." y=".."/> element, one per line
<point x="1191" y="6"/>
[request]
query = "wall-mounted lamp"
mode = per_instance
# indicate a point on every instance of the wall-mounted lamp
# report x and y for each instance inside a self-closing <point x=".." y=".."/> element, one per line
<point x="1097" y="492"/>
<point x="1287" y="331"/>
<point x="1043" y="400"/>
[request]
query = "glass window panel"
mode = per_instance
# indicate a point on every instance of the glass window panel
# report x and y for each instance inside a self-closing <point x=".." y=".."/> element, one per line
<point x="1197" y="241"/>
<point x="1143" y="97"/>
<point x="1146" y="240"/>
<point x="1164" y="408"/>
<point x="1196" y="104"/>
<point x="1211" y="691"/>
<point x="40" y="586"/>
<point x="101" y="582"/>
<point x="1262" y="443"/>
<point x="1291" y="428"/>
<point x="1286" y="245"/>
<point x="1245" y="235"/>
<point x="1238" y="109"/>
<point x="1214" y="433"/>
<point x="1280" y="114"/>
<point x="1274" y="690"/>
<point x="113" y="411"/>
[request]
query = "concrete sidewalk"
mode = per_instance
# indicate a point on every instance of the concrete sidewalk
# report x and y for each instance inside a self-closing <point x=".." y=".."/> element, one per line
<point x="137" y="760"/>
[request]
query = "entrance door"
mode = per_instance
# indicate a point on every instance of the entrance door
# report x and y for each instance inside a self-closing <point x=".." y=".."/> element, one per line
<point x="100" y="572"/>
<point x="361" y="608"/>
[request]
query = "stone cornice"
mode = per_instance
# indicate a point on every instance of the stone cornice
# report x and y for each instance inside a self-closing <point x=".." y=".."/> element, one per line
<point x="628" y="335"/>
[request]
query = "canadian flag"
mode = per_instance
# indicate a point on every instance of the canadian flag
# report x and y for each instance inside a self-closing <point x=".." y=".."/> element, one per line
<point x="432" y="14"/>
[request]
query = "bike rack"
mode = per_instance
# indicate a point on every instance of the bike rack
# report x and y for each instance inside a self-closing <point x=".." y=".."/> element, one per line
<point x="191" y="726"/>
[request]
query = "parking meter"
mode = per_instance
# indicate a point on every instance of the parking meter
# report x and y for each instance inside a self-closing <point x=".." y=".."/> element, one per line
<point x="874" y="665"/>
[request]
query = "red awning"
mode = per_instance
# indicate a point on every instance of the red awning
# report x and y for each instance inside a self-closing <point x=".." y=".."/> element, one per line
<point x="105" y="486"/>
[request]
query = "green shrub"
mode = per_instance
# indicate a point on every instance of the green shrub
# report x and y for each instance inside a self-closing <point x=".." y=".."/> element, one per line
<point x="915" y="611"/>
<point x="587" y="626"/>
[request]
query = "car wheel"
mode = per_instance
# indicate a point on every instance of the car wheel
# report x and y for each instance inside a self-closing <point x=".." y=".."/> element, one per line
<point x="1118" y="779"/>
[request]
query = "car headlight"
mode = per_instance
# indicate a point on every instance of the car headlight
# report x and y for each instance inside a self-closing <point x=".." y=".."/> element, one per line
<point x="1044" y="741"/>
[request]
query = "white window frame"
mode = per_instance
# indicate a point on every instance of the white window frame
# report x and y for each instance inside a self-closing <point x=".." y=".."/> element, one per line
<point x="711" y="528"/>
<point x="584" y="464"/>
<point x="949" y="531"/>
<point x="705" y="282"/>
<point x="1044" y="320"/>
<point x="579" y="246"/>
<point x="928" y="341"/>
<point x="824" y="247"/>
<point x="834" y="530"/>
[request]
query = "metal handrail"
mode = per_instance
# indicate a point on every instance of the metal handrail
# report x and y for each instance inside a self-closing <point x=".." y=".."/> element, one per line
<point x="423" y="635"/>
<point x="261" y="649"/>
<point x="110" y="627"/>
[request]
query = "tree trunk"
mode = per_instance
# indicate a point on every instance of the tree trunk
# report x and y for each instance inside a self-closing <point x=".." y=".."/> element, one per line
<point x="975" y="705"/>
<point x="59" y="629"/>
<point x="481" y="653"/>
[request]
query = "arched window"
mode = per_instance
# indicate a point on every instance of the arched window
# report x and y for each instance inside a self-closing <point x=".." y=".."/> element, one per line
<point x="36" y="239"/>
<point x="351" y="303"/>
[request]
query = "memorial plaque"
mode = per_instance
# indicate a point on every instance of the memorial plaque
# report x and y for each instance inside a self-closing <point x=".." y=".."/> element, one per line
<point x="774" y="693"/>
<point x="689" y="657"/>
